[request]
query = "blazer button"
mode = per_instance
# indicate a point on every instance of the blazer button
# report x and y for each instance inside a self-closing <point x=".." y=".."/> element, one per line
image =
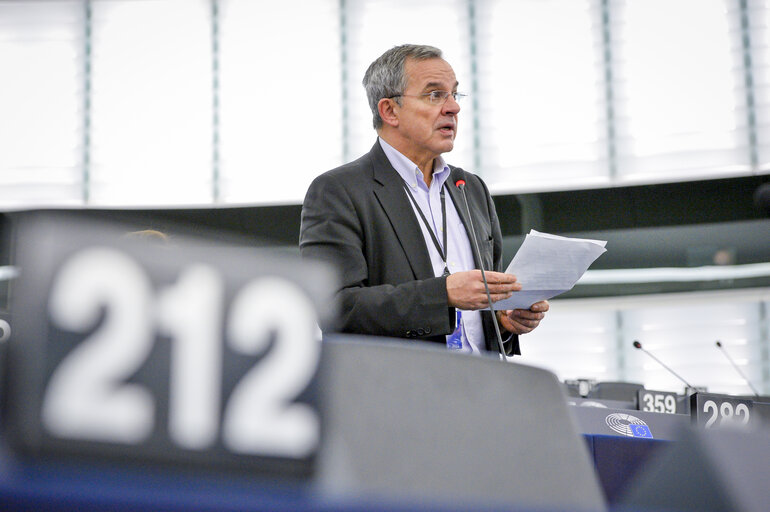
<point x="408" y="334"/>
<point x="427" y="330"/>
<point x="420" y="331"/>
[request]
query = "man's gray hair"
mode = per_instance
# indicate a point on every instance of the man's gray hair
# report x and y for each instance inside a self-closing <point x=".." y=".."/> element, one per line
<point x="386" y="76"/>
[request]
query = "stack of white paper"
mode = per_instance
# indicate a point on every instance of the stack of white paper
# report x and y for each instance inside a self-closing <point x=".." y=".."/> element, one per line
<point x="547" y="265"/>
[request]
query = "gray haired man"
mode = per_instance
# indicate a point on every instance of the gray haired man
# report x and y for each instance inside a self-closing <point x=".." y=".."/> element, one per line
<point x="395" y="225"/>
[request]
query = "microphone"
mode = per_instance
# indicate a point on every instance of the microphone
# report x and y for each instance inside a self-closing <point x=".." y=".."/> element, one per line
<point x="719" y="345"/>
<point x="639" y="346"/>
<point x="461" y="185"/>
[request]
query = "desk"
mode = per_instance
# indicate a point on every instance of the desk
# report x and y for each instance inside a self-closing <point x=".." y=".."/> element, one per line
<point x="97" y="487"/>
<point x="617" y="457"/>
<point x="385" y="409"/>
<point x="618" y="460"/>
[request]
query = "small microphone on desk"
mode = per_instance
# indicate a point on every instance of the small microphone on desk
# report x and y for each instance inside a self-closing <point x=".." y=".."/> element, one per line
<point x="639" y="346"/>
<point x="461" y="185"/>
<point x="719" y="345"/>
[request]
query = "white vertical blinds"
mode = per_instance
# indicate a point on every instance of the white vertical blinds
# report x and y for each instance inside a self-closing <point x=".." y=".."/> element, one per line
<point x="280" y="96"/>
<point x="151" y="105"/>
<point x="41" y="102"/>
<point x="758" y="19"/>
<point x="681" y="330"/>
<point x="684" y="337"/>
<point x="541" y="91"/>
<point x="204" y="101"/>
<point x="575" y="344"/>
<point x="679" y="88"/>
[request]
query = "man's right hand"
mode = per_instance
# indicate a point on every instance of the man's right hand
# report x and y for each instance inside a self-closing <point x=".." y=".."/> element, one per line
<point x="466" y="289"/>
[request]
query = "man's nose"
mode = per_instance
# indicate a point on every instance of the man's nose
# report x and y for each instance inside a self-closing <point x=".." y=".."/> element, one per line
<point x="451" y="107"/>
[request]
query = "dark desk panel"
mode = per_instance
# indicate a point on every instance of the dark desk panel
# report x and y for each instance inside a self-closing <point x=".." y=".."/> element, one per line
<point x="619" y="459"/>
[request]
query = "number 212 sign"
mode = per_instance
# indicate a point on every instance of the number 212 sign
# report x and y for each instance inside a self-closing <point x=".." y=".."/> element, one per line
<point x="166" y="353"/>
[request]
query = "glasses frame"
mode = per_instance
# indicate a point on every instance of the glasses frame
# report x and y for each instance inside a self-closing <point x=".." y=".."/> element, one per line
<point x="434" y="97"/>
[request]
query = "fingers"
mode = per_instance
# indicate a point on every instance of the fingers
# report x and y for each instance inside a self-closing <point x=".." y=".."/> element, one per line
<point x="522" y="321"/>
<point x="466" y="289"/>
<point x="519" y="325"/>
<point x="500" y="283"/>
<point x="526" y="314"/>
<point x="535" y="313"/>
<point x="501" y="286"/>
<point x="514" y="325"/>
<point x="496" y="278"/>
<point x="529" y="323"/>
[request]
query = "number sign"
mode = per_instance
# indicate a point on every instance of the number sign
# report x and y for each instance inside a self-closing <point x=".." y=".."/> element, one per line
<point x="658" y="401"/>
<point x="198" y="354"/>
<point x="720" y="411"/>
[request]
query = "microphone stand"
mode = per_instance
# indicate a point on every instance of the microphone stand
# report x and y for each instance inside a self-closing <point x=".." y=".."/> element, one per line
<point x="461" y="185"/>
<point x="719" y="345"/>
<point x="638" y="345"/>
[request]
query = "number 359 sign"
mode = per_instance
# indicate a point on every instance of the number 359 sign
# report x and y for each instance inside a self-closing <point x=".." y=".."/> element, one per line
<point x="145" y="349"/>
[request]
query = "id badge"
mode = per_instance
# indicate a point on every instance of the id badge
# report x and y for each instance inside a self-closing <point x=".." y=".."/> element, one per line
<point x="455" y="340"/>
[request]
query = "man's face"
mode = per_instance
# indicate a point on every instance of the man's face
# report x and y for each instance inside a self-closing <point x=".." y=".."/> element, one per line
<point x="428" y="130"/>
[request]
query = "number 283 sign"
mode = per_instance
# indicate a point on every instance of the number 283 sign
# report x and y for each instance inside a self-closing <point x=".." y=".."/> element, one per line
<point x="197" y="354"/>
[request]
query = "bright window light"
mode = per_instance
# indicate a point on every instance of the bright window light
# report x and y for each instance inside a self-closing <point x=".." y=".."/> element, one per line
<point x="678" y="82"/>
<point x="542" y="94"/>
<point x="41" y="102"/>
<point x="151" y="128"/>
<point x="280" y="96"/>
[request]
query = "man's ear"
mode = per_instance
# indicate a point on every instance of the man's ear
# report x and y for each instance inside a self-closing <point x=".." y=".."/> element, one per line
<point x="388" y="109"/>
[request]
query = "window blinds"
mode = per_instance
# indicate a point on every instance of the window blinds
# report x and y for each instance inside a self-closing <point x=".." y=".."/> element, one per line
<point x="280" y="95"/>
<point x="151" y="102"/>
<point x="680" y="97"/>
<point x="542" y="102"/>
<point x="233" y="101"/>
<point x="592" y="339"/>
<point x="41" y="103"/>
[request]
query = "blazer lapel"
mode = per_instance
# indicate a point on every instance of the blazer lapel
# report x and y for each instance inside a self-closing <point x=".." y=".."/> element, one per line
<point x="391" y="196"/>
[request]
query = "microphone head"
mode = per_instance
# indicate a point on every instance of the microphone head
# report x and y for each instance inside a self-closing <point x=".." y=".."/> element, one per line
<point x="637" y="344"/>
<point x="719" y="344"/>
<point x="460" y="183"/>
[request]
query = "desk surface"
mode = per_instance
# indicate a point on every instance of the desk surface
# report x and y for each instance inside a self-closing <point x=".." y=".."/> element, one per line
<point x="599" y="421"/>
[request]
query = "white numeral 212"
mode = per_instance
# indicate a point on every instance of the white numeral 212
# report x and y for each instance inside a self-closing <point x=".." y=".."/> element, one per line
<point x="88" y="397"/>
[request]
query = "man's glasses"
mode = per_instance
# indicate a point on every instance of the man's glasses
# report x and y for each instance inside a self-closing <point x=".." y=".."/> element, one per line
<point x="435" y="97"/>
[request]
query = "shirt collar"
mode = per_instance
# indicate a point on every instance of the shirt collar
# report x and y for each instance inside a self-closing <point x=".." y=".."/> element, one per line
<point x="409" y="171"/>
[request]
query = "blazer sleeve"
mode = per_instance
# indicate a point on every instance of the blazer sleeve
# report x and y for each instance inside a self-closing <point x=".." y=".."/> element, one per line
<point x="333" y="230"/>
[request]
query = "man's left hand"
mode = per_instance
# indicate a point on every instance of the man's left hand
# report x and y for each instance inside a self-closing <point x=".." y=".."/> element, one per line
<point x="522" y="321"/>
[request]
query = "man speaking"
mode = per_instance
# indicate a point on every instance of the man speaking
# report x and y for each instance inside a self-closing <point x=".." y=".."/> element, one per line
<point x="396" y="225"/>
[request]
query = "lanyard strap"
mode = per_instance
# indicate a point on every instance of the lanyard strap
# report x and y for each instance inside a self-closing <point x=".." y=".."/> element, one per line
<point x="441" y="250"/>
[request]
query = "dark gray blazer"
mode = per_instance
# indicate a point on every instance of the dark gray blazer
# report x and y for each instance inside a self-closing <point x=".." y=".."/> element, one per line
<point x="358" y="218"/>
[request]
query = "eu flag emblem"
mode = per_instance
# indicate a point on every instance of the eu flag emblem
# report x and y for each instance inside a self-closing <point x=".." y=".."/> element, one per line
<point x="641" y="431"/>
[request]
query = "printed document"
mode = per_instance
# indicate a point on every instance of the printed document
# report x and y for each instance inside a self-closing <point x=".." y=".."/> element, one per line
<point x="547" y="265"/>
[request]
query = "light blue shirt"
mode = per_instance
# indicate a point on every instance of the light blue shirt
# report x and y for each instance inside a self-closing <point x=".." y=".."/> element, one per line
<point x="459" y="252"/>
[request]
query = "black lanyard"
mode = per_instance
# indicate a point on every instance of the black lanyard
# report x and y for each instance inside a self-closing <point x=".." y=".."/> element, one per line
<point x="441" y="250"/>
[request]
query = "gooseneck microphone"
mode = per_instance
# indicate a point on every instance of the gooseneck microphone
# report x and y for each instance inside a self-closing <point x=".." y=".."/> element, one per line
<point x="639" y="346"/>
<point x="461" y="185"/>
<point x="719" y="345"/>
